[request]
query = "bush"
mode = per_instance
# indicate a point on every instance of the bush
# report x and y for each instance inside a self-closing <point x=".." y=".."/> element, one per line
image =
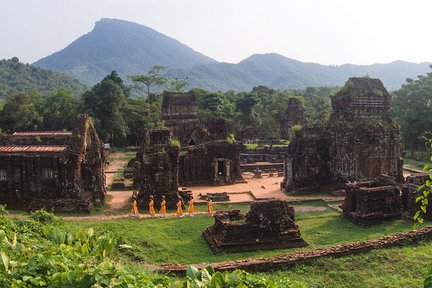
<point x="44" y="217"/>
<point x="3" y="211"/>
<point x="296" y="128"/>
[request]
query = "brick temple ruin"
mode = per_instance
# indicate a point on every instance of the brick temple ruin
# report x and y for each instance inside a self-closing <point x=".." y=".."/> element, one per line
<point x="156" y="168"/>
<point x="371" y="202"/>
<point x="205" y="155"/>
<point x="268" y="225"/>
<point x="360" y="142"/>
<point x="180" y="113"/>
<point x="55" y="170"/>
<point x="294" y="116"/>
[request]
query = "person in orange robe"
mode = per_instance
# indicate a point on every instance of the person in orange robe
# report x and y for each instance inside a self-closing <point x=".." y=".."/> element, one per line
<point x="162" y="211"/>
<point x="151" y="207"/>
<point x="191" y="209"/>
<point x="210" y="206"/>
<point x="179" y="208"/>
<point x="134" y="211"/>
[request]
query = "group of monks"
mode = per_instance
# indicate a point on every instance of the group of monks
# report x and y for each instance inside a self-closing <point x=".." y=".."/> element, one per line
<point x="162" y="210"/>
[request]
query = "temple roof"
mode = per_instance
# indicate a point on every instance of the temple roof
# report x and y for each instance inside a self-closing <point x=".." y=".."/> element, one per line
<point x="43" y="133"/>
<point x="32" y="149"/>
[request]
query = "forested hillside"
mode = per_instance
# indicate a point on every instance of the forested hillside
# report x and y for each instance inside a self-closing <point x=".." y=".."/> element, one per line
<point x="130" y="48"/>
<point x="18" y="77"/>
<point x="279" y="72"/>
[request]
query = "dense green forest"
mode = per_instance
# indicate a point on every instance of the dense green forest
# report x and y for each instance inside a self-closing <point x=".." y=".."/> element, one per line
<point x="18" y="77"/>
<point x="121" y="111"/>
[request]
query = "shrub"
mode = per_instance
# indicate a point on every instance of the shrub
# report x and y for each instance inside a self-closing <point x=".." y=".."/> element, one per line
<point x="175" y="143"/>
<point x="230" y="139"/>
<point x="44" y="217"/>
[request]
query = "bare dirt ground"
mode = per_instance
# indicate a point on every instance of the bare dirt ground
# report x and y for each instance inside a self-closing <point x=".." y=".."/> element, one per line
<point x="117" y="163"/>
<point x="265" y="187"/>
<point x="242" y="192"/>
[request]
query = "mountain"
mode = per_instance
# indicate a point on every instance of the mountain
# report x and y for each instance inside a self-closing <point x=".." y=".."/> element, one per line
<point x="126" y="47"/>
<point x="131" y="48"/>
<point x="19" y="77"/>
<point x="279" y="72"/>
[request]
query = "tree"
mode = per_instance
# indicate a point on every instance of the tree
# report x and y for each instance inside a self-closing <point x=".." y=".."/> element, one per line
<point x="104" y="102"/>
<point x="245" y="104"/>
<point x="153" y="77"/>
<point x="177" y="84"/>
<point x="411" y="107"/>
<point x="59" y="111"/>
<point x="21" y="112"/>
<point x="425" y="189"/>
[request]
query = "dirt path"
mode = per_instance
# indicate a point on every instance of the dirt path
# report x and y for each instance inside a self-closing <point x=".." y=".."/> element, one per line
<point x="117" y="163"/>
<point x="118" y="199"/>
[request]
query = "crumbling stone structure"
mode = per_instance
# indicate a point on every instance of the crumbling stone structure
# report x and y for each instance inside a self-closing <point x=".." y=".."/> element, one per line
<point x="364" y="140"/>
<point x="249" y="133"/>
<point x="56" y="170"/>
<point x="156" y="168"/>
<point x="294" y="116"/>
<point x="179" y="111"/>
<point x="306" y="160"/>
<point x="205" y="154"/>
<point x="213" y="163"/>
<point x="371" y="202"/>
<point x="360" y="142"/>
<point x="268" y="225"/>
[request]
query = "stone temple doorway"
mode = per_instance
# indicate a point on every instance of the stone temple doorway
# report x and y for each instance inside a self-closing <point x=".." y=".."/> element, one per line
<point x="222" y="171"/>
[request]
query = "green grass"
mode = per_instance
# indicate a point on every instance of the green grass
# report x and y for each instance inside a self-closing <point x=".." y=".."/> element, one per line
<point x="251" y="146"/>
<point x="411" y="163"/>
<point x="175" y="240"/>
<point x="395" y="267"/>
<point x="417" y="155"/>
<point x="172" y="240"/>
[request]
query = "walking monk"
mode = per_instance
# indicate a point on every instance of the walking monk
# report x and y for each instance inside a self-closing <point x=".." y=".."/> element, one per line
<point x="210" y="206"/>
<point x="162" y="211"/>
<point x="151" y="207"/>
<point x="191" y="210"/>
<point x="179" y="208"/>
<point x="134" y="211"/>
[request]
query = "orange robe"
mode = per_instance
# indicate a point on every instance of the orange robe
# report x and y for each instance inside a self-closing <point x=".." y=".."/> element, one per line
<point x="179" y="209"/>
<point x="134" y="210"/>
<point x="210" y="207"/>
<point x="191" y="207"/>
<point x="151" y="208"/>
<point x="162" y="210"/>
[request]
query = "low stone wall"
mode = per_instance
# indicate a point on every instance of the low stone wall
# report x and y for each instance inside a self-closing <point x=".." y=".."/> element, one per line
<point x="265" y="264"/>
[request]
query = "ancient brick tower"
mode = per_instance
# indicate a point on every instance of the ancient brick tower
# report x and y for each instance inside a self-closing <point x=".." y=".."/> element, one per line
<point x="157" y="168"/>
<point x="365" y="142"/>
<point x="294" y="116"/>
<point x="360" y="142"/>
<point x="179" y="111"/>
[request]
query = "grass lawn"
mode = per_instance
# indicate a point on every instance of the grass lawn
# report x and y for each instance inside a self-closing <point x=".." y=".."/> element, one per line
<point x="173" y="240"/>
<point x="395" y="267"/>
<point x="411" y="163"/>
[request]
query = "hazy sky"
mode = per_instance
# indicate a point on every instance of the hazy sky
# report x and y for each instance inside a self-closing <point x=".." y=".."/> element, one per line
<point x="321" y="31"/>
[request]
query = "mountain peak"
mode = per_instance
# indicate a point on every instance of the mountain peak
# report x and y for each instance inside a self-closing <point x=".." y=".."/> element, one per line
<point x="127" y="47"/>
